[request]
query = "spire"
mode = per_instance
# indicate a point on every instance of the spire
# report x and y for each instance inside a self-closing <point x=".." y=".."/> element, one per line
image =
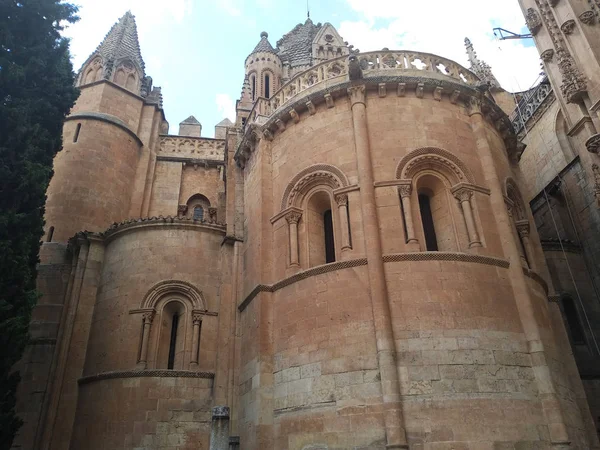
<point x="480" y="68"/>
<point x="120" y="43"/>
<point x="264" y="45"/>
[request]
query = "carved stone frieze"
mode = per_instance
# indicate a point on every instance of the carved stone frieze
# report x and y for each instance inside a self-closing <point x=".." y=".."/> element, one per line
<point x="547" y="55"/>
<point x="534" y="22"/>
<point x="588" y="17"/>
<point x="568" y="27"/>
<point x="593" y="144"/>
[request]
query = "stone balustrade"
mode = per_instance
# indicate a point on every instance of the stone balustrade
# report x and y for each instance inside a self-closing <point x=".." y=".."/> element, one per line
<point x="336" y="69"/>
<point x="529" y="105"/>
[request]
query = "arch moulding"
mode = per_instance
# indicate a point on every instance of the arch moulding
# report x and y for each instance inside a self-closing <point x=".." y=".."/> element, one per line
<point x="318" y="174"/>
<point x="168" y="287"/>
<point x="435" y="159"/>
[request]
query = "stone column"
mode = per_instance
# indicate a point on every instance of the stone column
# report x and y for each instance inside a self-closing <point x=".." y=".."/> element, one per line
<point x="147" y="317"/>
<point x="553" y="412"/>
<point x="219" y="431"/>
<point x="523" y="230"/>
<point x="464" y="197"/>
<point x="293" y="218"/>
<point x="197" y="321"/>
<point x="386" y="354"/>
<point x="342" y="202"/>
<point x="405" y="191"/>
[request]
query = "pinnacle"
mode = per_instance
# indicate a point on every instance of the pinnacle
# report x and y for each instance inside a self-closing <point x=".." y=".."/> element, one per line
<point x="122" y="42"/>
<point x="264" y="45"/>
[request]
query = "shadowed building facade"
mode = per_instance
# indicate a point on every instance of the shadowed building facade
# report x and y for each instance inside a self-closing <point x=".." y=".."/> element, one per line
<point x="351" y="264"/>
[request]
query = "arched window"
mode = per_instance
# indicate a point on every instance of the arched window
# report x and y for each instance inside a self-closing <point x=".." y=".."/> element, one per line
<point x="320" y="226"/>
<point x="440" y="230"/>
<point x="198" y="213"/>
<point x="171" y="342"/>
<point x="267" y="86"/>
<point x="329" y="241"/>
<point x="197" y="206"/>
<point x="428" y="225"/>
<point x="253" y="87"/>
<point x="131" y="82"/>
<point x="573" y="322"/>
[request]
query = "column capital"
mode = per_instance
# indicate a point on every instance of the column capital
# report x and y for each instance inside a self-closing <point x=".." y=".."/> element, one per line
<point x="196" y="318"/>
<point x="523" y="228"/>
<point x="463" y="194"/>
<point x="293" y="217"/>
<point x="148" y="316"/>
<point x="357" y="94"/>
<point x="341" y="199"/>
<point x="405" y="190"/>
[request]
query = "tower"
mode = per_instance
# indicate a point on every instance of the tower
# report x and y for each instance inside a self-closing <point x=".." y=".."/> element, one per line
<point x="108" y="133"/>
<point x="263" y="69"/>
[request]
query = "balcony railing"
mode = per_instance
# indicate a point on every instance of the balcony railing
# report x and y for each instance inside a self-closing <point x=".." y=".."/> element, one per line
<point x="529" y="104"/>
<point x="337" y="69"/>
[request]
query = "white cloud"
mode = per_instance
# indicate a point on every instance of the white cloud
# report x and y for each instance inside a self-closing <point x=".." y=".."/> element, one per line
<point x="230" y="7"/>
<point x="441" y="30"/>
<point x="98" y="16"/>
<point x="226" y="106"/>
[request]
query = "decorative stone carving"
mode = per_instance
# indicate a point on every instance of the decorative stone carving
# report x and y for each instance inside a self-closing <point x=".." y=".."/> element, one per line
<point x="182" y="210"/>
<point x="401" y="89"/>
<point x="437" y="93"/>
<point x="329" y="101"/>
<point x="294" y="115"/>
<point x="280" y="124"/>
<point x="568" y="26"/>
<point x="148" y="317"/>
<point x="267" y="134"/>
<point x="212" y="214"/>
<point x="463" y="195"/>
<point x="357" y="94"/>
<point x="523" y="228"/>
<point x="547" y="55"/>
<point x="382" y="90"/>
<point x="405" y="190"/>
<point x="454" y="97"/>
<point x="311" y="108"/>
<point x="341" y="199"/>
<point x="534" y="22"/>
<point x="196" y="318"/>
<point x="354" y="69"/>
<point x="553" y="3"/>
<point x="420" y="92"/>
<point x="588" y="17"/>
<point x="593" y="143"/>
<point x="293" y="217"/>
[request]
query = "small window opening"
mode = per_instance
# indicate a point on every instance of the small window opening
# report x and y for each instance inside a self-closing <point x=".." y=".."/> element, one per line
<point x="198" y="213"/>
<point x="76" y="135"/>
<point x="329" y="242"/>
<point x="572" y="317"/>
<point x="173" y="342"/>
<point x="50" y="234"/>
<point x="267" y="86"/>
<point x="253" y="88"/>
<point x="428" y="227"/>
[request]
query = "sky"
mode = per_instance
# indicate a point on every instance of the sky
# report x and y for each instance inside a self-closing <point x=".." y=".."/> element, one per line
<point x="195" y="49"/>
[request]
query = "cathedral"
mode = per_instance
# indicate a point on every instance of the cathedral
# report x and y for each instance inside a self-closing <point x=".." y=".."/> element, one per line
<point x="385" y="250"/>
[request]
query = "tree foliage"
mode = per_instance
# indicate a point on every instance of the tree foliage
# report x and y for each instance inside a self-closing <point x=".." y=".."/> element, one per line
<point x="36" y="93"/>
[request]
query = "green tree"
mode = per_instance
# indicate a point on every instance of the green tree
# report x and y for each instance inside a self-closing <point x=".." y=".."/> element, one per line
<point x="36" y="93"/>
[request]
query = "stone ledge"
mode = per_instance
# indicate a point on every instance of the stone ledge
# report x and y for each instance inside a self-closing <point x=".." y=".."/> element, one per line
<point x="158" y="373"/>
<point x="398" y="257"/>
<point x="107" y="118"/>
<point x="537" y="278"/>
